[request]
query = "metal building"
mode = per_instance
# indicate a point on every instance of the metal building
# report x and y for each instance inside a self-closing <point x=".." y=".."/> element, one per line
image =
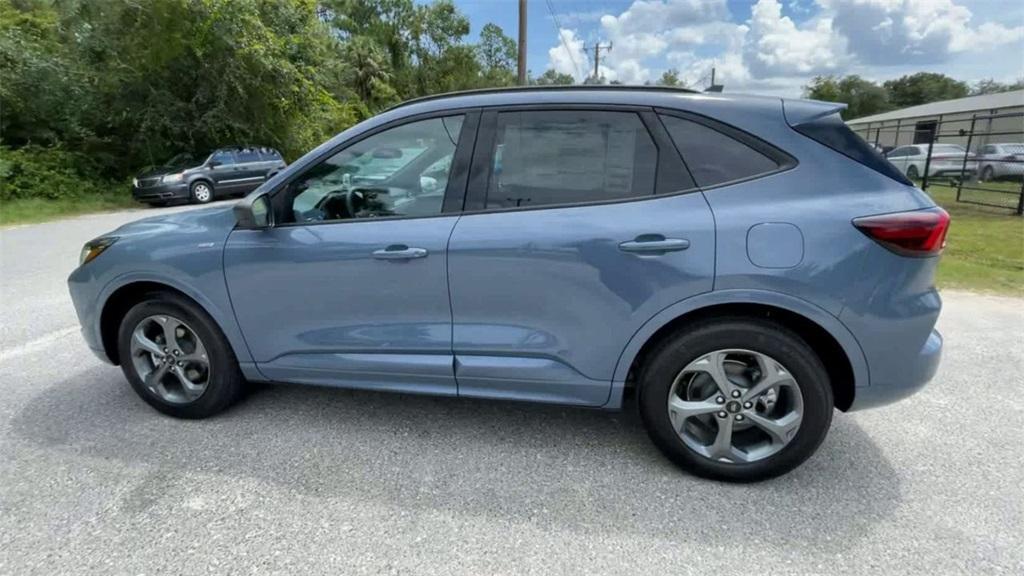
<point x="996" y="118"/>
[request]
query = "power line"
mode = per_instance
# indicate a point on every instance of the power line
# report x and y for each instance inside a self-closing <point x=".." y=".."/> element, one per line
<point x="597" y="56"/>
<point x="558" y="28"/>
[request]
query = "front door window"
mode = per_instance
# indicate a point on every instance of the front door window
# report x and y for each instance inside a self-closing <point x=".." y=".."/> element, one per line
<point x="402" y="171"/>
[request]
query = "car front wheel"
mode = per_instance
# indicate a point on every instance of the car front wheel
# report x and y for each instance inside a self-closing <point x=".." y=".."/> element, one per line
<point x="736" y="399"/>
<point x="912" y="173"/>
<point x="988" y="174"/>
<point x="202" y="192"/>
<point x="177" y="359"/>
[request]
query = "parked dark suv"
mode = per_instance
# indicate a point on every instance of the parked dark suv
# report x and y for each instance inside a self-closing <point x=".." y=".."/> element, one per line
<point x="225" y="172"/>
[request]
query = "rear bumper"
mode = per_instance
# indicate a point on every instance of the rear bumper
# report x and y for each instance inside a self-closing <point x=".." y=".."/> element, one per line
<point x="161" y="192"/>
<point x="914" y="373"/>
<point x="952" y="170"/>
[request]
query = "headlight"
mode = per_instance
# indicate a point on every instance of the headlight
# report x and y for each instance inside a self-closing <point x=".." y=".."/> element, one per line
<point x="135" y="182"/>
<point x="172" y="178"/>
<point x="94" y="248"/>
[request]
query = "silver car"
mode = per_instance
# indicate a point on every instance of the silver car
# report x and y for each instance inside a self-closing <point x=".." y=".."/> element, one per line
<point x="947" y="160"/>
<point x="1001" y="161"/>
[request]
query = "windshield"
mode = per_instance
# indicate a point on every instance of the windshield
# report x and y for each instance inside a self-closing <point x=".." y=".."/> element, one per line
<point x="947" y="148"/>
<point x="183" y="160"/>
<point x="1013" y="148"/>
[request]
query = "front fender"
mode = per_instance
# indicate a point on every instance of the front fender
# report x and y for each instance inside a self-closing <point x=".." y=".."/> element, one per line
<point x="211" y="297"/>
<point x="812" y="312"/>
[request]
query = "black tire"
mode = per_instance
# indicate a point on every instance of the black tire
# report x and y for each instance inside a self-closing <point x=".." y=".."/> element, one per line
<point x="226" y="383"/>
<point x="987" y="175"/>
<point x="912" y="173"/>
<point x="201" y="192"/>
<point x="757" y="335"/>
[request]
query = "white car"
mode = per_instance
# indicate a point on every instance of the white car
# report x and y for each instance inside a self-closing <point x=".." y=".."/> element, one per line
<point x="947" y="160"/>
<point x="1001" y="161"/>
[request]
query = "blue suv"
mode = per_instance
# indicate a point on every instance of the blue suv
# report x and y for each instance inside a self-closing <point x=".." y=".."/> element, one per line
<point x="738" y="266"/>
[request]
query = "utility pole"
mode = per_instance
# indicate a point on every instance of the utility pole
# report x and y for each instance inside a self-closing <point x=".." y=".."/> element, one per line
<point x="522" y="42"/>
<point x="597" y="56"/>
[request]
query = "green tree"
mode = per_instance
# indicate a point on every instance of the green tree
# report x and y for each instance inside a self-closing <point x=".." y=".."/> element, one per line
<point x="366" y="71"/>
<point x="922" y="88"/>
<point x="862" y="97"/>
<point x="497" y="54"/>
<point x="552" y="78"/>
<point x="990" y="86"/>
<point x="670" y="77"/>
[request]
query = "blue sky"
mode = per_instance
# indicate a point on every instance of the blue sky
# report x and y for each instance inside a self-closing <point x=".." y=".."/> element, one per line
<point x="768" y="46"/>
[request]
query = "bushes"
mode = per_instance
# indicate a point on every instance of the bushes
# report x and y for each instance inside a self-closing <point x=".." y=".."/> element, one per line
<point x="49" y="173"/>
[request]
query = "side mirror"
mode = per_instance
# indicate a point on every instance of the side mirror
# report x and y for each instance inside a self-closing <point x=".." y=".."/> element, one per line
<point x="214" y="163"/>
<point x="255" y="213"/>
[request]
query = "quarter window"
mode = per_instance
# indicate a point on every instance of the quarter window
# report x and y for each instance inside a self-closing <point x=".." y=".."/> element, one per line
<point x="714" y="157"/>
<point x="565" y="157"/>
<point x="269" y="155"/>
<point x="402" y="171"/>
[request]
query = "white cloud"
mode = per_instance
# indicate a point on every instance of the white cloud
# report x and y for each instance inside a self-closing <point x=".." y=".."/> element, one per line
<point x="650" y="15"/>
<point x="568" y="57"/>
<point x="776" y="46"/>
<point x="773" y="51"/>
<point x="890" y="32"/>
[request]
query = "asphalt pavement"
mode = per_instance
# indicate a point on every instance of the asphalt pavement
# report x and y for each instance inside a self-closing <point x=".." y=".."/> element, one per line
<point x="302" y="480"/>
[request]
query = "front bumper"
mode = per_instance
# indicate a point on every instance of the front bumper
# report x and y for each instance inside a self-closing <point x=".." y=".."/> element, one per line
<point x="915" y="372"/>
<point x="161" y="192"/>
<point x="82" y="286"/>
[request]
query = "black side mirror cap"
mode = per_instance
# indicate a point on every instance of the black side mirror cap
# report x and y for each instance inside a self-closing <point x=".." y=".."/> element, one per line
<point x="255" y="213"/>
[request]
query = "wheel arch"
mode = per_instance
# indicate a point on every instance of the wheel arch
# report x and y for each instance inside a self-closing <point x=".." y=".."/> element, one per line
<point x="835" y="345"/>
<point x="122" y="300"/>
<point x="205" y="179"/>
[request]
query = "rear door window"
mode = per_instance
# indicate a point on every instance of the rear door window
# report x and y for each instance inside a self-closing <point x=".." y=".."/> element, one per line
<point x="569" y="156"/>
<point x="713" y="157"/>
<point x="247" y="155"/>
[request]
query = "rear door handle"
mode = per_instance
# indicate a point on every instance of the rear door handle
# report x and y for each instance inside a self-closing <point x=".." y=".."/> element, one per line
<point x="654" y="244"/>
<point x="399" y="252"/>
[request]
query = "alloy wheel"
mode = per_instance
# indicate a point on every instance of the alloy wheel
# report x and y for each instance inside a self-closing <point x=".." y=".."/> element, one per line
<point x="735" y="406"/>
<point x="170" y="358"/>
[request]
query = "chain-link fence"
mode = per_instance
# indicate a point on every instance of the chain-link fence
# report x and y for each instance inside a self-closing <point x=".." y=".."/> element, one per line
<point x="981" y="156"/>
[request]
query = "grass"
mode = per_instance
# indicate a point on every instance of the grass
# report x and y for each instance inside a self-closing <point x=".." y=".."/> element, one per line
<point x="32" y="210"/>
<point x="985" y="246"/>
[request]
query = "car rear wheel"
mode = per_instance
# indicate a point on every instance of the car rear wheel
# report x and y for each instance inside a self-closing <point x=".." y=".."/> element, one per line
<point x="988" y="174"/>
<point x="177" y="359"/>
<point x="202" y="192"/>
<point x="912" y="173"/>
<point x="736" y="399"/>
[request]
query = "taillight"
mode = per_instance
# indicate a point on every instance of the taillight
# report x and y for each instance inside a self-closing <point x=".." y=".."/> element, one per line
<point x="918" y="233"/>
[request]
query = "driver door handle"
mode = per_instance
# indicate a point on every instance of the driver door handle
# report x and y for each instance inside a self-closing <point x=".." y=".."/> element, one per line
<point x="399" y="252"/>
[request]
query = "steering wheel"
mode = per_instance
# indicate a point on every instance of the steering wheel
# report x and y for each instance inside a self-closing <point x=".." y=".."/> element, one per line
<point x="341" y="204"/>
<point x="351" y="196"/>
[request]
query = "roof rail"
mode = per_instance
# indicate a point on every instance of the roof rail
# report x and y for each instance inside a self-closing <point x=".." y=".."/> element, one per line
<point x="569" y="87"/>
